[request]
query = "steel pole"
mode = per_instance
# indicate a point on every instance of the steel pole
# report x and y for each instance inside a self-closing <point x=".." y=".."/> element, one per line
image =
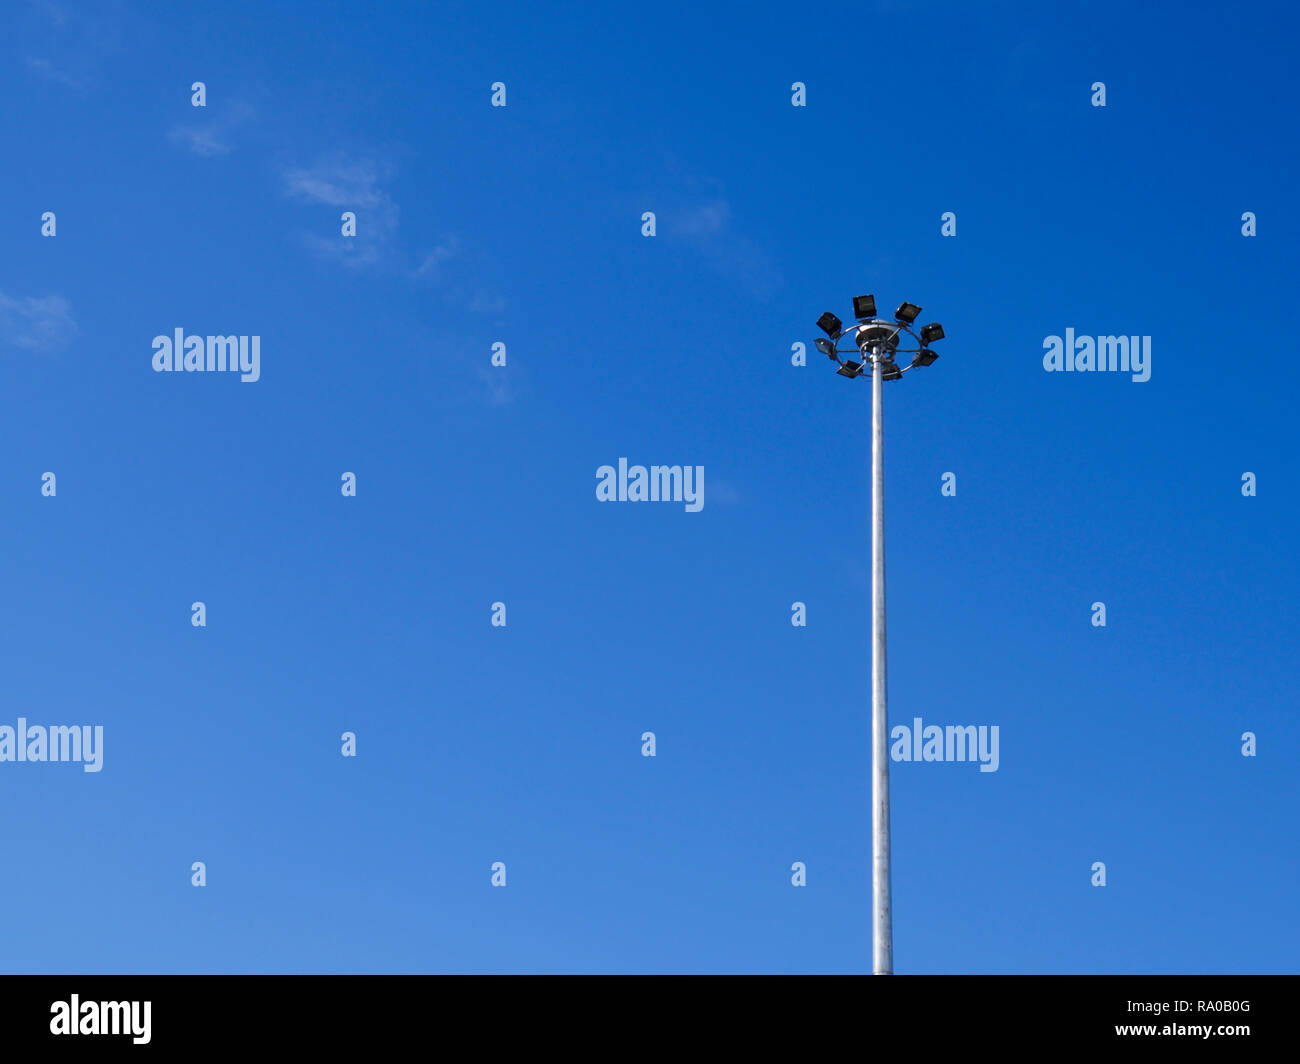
<point x="882" y="915"/>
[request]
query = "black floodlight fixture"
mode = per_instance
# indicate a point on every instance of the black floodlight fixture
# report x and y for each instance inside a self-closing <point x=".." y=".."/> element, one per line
<point x="930" y="333"/>
<point x="907" y="312"/>
<point x="864" y="307"/>
<point x="830" y="325"/>
<point x="850" y="369"/>
<point x="890" y="369"/>
<point x="924" y="357"/>
<point x="826" y="347"/>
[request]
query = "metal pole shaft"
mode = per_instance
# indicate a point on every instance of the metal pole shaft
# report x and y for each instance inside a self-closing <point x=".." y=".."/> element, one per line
<point x="883" y="928"/>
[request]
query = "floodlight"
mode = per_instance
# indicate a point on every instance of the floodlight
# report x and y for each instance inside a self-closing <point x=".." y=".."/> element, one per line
<point x="890" y="370"/>
<point x="826" y="347"/>
<point x="924" y="357"/>
<point x="932" y="332"/>
<point x="850" y="369"/>
<point x="907" y="312"/>
<point x="864" y="307"/>
<point x="830" y="325"/>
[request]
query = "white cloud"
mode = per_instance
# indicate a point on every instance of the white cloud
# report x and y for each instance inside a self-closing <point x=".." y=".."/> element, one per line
<point x="499" y="387"/>
<point x="701" y="221"/>
<point x="487" y="303"/>
<point x="49" y="71"/>
<point x="205" y="141"/>
<point x="708" y="228"/>
<point x="36" y="323"/>
<point x="337" y="181"/>
<point x="211" y="136"/>
<point x="431" y="267"/>
<point x="82" y="35"/>
<point x="347" y="184"/>
<point x="51" y="11"/>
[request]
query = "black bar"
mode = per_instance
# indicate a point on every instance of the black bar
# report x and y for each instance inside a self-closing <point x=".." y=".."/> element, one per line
<point x="618" y="1016"/>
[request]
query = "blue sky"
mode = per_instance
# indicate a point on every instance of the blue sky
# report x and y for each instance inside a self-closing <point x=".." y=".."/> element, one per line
<point x="476" y="484"/>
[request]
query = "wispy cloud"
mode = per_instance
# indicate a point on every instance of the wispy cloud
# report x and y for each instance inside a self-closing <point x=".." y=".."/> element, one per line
<point x="36" y="323"/>
<point x="68" y="44"/>
<point x="430" y="267"/>
<point x="499" y="387"/>
<point x="337" y="181"/>
<point x="50" y="72"/>
<point x="210" y="134"/>
<point x="347" y="184"/>
<point x="708" y="226"/>
<point x="51" y="11"/>
<point x="200" y="141"/>
<point x="705" y="220"/>
<point x="458" y="289"/>
<point x="487" y="303"/>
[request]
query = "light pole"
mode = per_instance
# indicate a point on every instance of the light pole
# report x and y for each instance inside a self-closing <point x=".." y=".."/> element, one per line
<point x="878" y="342"/>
